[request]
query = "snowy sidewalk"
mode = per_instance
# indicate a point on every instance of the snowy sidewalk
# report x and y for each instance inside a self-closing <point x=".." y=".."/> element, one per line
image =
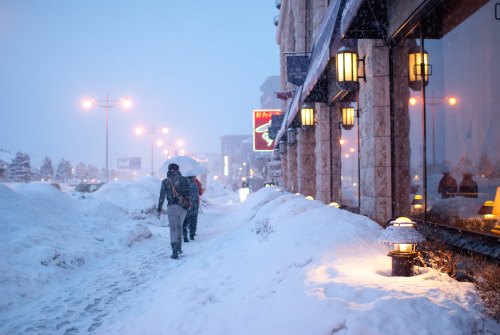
<point x="276" y="264"/>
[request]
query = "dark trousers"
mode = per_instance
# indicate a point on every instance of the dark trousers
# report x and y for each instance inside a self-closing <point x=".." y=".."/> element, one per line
<point x="191" y="221"/>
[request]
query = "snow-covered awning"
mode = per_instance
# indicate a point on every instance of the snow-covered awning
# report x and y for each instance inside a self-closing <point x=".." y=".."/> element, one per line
<point x="319" y="59"/>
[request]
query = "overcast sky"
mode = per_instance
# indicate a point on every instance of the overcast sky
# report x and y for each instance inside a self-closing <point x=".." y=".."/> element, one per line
<point x="194" y="66"/>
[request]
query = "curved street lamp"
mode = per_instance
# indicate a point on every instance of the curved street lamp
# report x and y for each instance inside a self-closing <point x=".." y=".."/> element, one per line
<point x="152" y="131"/>
<point x="88" y="102"/>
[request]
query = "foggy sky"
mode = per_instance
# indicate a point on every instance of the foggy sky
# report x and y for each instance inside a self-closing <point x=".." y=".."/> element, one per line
<point x="195" y="67"/>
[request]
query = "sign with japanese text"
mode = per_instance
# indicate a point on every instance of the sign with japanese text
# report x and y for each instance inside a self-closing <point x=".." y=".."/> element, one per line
<point x="261" y="124"/>
<point x="296" y="69"/>
<point x="133" y="163"/>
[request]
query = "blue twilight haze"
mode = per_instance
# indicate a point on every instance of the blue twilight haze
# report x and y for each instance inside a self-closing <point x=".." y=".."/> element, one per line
<point x="195" y="67"/>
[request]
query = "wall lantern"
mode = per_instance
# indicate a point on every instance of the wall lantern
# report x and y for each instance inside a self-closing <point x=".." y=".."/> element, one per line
<point x="418" y="68"/>
<point x="348" y="117"/>
<point x="334" y="204"/>
<point x="403" y="235"/>
<point x="347" y="69"/>
<point x="282" y="147"/>
<point x="487" y="210"/>
<point x="276" y="153"/>
<point x="307" y="115"/>
<point x="291" y="136"/>
<point x="418" y="202"/>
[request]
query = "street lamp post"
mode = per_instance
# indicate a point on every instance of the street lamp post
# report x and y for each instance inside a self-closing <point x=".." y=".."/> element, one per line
<point x="152" y="131"/>
<point x="434" y="101"/>
<point x="106" y="104"/>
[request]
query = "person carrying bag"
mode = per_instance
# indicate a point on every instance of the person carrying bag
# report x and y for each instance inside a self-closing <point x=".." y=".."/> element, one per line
<point x="175" y="189"/>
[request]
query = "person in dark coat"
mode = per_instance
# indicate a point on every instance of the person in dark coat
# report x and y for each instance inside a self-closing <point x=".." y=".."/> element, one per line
<point x="173" y="187"/>
<point x="191" y="220"/>
<point x="447" y="186"/>
<point x="468" y="187"/>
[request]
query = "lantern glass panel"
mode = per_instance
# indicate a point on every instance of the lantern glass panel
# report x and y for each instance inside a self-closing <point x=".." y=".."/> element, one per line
<point x="307" y="116"/>
<point x="402" y="247"/>
<point x="347" y="117"/>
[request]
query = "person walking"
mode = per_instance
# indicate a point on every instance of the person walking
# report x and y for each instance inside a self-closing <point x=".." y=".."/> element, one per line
<point x="191" y="220"/>
<point x="174" y="187"/>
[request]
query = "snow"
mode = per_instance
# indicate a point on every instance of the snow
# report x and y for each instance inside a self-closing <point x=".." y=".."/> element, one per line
<point x="275" y="264"/>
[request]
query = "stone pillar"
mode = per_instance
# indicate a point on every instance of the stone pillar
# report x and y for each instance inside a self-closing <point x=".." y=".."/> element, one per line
<point x="292" y="169"/>
<point x="323" y="154"/>
<point x="336" y="153"/>
<point x="375" y="132"/>
<point x="284" y="171"/>
<point x="400" y="136"/>
<point x="306" y="161"/>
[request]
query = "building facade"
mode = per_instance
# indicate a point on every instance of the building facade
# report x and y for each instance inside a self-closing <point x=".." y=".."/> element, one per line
<point x="414" y="135"/>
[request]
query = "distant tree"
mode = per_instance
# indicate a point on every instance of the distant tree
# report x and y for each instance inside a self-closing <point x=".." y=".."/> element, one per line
<point x="486" y="167"/>
<point x="81" y="172"/>
<point x="63" y="172"/>
<point x="46" y="169"/>
<point x="20" y="168"/>
<point x="92" y="172"/>
<point x="3" y="169"/>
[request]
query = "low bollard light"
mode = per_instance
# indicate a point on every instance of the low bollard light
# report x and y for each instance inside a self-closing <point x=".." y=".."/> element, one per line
<point x="403" y="235"/>
<point x="334" y="204"/>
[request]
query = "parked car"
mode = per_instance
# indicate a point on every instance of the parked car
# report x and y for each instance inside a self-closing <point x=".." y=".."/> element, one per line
<point x="87" y="187"/>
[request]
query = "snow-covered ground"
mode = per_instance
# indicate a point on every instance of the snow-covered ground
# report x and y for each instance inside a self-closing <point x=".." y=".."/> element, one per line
<point x="275" y="264"/>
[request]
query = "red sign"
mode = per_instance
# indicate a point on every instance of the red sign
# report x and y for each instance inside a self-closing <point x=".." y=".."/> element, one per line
<point x="261" y="124"/>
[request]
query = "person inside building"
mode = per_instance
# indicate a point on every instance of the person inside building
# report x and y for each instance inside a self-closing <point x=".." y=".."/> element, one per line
<point x="447" y="186"/>
<point x="468" y="187"/>
<point x="191" y="220"/>
<point x="174" y="188"/>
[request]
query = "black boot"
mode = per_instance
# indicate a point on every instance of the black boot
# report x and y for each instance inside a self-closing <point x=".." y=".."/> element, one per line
<point x="175" y="254"/>
<point x="191" y="236"/>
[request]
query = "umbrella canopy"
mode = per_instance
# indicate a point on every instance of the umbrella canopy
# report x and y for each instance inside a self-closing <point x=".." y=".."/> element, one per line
<point x="198" y="171"/>
<point x="185" y="163"/>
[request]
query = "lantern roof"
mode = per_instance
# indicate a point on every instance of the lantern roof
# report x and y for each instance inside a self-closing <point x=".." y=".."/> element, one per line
<point x="400" y="234"/>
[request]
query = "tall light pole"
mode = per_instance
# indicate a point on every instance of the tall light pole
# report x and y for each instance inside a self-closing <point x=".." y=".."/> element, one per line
<point x="87" y="103"/>
<point x="151" y="131"/>
<point x="433" y="102"/>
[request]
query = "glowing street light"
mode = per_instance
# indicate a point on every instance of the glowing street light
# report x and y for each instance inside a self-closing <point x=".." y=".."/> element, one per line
<point x="125" y="102"/>
<point x="434" y="101"/>
<point x="159" y="143"/>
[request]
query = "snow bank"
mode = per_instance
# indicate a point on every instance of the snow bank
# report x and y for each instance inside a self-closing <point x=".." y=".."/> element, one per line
<point x="275" y="264"/>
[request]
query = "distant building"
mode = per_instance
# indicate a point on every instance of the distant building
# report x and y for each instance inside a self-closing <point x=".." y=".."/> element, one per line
<point x="235" y="152"/>
<point x="425" y="103"/>
<point x="268" y="98"/>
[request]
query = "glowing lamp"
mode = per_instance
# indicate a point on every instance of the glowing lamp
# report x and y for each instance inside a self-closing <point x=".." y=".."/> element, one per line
<point x="291" y="136"/>
<point x="127" y="103"/>
<point x="334" y="204"/>
<point x="307" y="115"/>
<point x="452" y="101"/>
<point x="418" y="68"/>
<point x="347" y="69"/>
<point x="309" y="197"/>
<point x="403" y="235"/>
<point x="347" y="118"/>
<point x="87" y="103"/>
<point x="487" y="210"/>
<point x="418" y="202"/>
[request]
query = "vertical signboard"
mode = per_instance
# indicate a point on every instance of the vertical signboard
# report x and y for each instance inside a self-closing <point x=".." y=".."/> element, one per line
<point x="261" y="124"/>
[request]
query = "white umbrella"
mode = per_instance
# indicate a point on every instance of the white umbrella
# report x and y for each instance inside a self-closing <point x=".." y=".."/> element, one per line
<point x="185" y="163"/>
<point x="198" y="171"/>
